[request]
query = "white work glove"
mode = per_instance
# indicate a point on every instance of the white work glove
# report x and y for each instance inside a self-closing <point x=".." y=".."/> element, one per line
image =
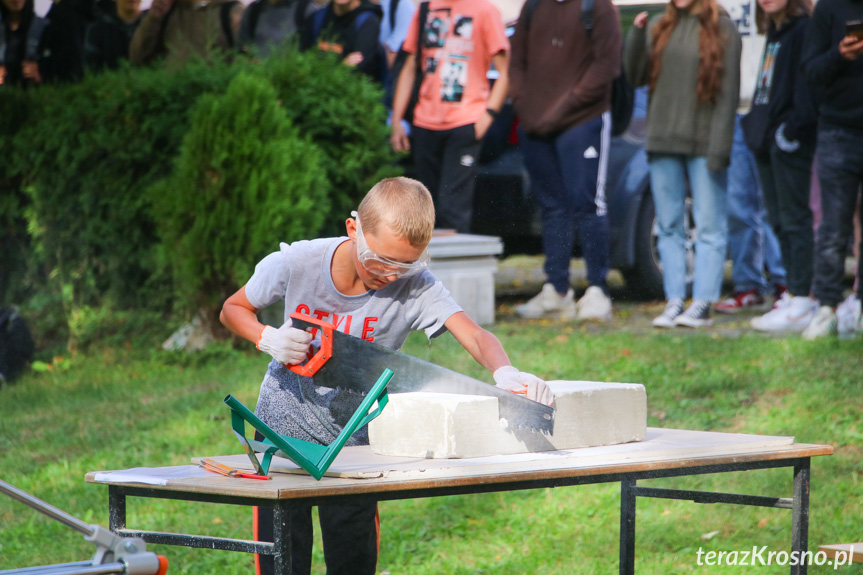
<point x="511" y="379"/>
<point x="783" y="143"/>
<point x="288" y="345"/>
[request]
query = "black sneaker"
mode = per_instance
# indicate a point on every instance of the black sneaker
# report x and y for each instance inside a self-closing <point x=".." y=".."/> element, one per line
<point x="696" y="315"/>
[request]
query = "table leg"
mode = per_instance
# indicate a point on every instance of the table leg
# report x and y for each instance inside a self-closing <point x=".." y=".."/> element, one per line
<point x="116" y="509"/>
<point x="627" y="527"/>
<point x="282" y="538"/>
<point x="800" y="516"/>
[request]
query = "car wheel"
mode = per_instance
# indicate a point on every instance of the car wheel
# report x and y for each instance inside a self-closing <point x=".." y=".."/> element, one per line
<point x="644" y="279"/>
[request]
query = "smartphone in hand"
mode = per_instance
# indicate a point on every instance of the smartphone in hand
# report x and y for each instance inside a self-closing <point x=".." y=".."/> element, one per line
<point x="854" y="28"/>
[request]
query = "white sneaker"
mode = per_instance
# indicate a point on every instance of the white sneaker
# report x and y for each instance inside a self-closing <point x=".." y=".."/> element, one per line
<point x="782" y="301"/>
<point x="673" y="308"/>
<point x="548" y="304"/>
<point x="848" y="317"/>
<point x="594" y="305"/>
<point x="822" y="325"/>
<point x="790" y="314"/>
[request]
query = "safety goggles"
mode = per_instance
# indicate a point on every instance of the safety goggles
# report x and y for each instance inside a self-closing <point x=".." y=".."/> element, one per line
<point x="381" y="266"/>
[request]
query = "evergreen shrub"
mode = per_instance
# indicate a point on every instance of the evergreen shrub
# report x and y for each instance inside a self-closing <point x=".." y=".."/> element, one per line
<point x="341" y="111"/>
<point x="245" y="178"/>
<point x="14" y="239"/>
<point x="82" y="159"/>
<point x="88" y="153"/>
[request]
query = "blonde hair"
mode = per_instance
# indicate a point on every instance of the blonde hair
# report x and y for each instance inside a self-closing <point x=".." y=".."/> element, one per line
<point x="402" y="204"/>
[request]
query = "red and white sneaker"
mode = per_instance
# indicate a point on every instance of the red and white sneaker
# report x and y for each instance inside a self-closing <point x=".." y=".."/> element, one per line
<point x="739" y="301"/>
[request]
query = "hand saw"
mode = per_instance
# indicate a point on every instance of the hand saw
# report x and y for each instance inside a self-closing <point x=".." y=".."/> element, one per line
<point x="347" y="362"/>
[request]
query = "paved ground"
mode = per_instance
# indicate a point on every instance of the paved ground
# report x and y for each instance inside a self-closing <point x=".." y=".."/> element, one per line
<point x="520" y="277"/>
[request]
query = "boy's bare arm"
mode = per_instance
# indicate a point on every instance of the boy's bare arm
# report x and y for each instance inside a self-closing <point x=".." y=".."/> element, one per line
<point x="488" y="351"/>
<point x="286" y="344"/>
<point x="241" y="317"/>
<point x="485" y="348"/>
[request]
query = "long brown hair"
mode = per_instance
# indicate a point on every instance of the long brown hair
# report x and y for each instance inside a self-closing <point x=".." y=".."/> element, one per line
<point x="794" y="9"/>
<point x="710" y="48"/>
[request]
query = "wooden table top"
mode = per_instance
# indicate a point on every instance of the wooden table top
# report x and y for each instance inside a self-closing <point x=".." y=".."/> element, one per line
<point x="357" y="470"/>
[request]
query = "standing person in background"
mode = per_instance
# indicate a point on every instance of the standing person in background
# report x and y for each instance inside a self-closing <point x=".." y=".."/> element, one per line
<point x="20" y="38"/>
<point x="833" y="61"/>
<point x="267" y="23"/>
<point x="178" y="30"/>
<point x="780" y="130"/>
<point x="690" y="58"/>
<point x="752" y="245"/>
<point x="460" y="40"/>
<point x="63" y="40"/>
<point x="397" y="16"/>
<point x="565" y="135"/>
<point x="106" y="43"/>
<point x="351" y="30"/>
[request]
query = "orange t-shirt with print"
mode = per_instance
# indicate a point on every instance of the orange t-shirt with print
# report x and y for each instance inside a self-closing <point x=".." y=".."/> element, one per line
<point x="458" y="41"/>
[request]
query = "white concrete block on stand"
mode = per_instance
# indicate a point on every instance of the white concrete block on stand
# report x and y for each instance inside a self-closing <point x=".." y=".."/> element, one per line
<point x="466" y="264"/>
<point x="440" y="425"/>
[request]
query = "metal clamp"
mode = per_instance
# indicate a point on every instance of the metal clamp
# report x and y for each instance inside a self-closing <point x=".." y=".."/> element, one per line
<point x="114" y="554"/>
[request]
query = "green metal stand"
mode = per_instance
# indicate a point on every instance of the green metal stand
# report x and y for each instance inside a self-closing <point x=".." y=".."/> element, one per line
<point x="314" y="458"/>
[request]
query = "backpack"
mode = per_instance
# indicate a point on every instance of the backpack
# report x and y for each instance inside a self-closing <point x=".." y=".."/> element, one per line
<point x="394" y="5"/>
<point x="16" y="344"/>
<point x="400" y="62"/>
<point x="320" y="17"/>
<point x="622" y="92"/>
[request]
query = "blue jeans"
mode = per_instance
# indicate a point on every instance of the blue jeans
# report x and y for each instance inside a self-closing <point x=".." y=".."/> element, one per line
<point x="840" y="172"/>
<point x="567" y="174"/>
<point x="668" y="176"/>
<point x="752" y="245"/>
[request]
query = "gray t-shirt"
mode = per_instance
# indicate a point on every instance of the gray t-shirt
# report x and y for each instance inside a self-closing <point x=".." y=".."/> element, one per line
<point x="299" y="274"/>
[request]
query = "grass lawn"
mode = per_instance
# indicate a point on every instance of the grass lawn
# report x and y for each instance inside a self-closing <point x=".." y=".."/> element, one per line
<point x="133" y="406"/>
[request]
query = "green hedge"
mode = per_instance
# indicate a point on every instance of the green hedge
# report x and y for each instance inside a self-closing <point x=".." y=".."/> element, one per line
<point x="235" y="189"/>
<point x="84" y="160"/>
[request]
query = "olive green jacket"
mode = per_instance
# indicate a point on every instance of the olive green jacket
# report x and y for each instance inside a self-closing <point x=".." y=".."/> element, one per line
<point x="676" y="122"/>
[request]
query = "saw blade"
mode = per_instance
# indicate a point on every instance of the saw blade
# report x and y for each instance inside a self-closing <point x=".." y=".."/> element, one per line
<point x="356" y="364"/>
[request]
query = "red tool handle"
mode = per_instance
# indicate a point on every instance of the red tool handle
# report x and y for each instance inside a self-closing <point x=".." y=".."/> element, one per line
<point x="311" y="367"/>
<point x="252" y="476"/>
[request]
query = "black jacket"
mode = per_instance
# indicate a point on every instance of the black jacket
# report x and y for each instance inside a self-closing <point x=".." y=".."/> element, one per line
<point x="106" y="43"/>
<point x="841" y="80"/>
<point x="782" y="95"/>
<point x="63" y="40"/>
<point x="343" y="35"/>
<point x="19" y="45"/>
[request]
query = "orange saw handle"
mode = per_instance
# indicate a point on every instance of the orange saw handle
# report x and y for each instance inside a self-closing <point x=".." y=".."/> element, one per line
<point x="311" y="367"/>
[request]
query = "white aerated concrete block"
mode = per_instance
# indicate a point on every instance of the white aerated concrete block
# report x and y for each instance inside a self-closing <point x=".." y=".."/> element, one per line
<point x="451" y="426"/>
